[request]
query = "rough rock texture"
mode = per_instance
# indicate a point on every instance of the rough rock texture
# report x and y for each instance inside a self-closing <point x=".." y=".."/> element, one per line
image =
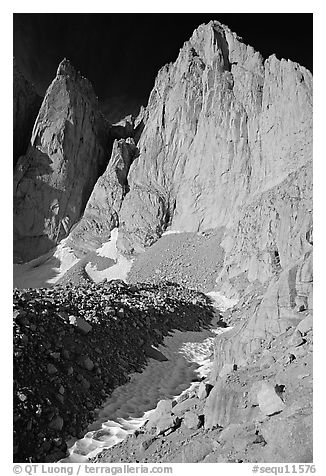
<point x="25" y="109"/>
<point x="224" y="155"/>
<point x="101" y="214"/>
<point x="194" y="260"/>
<point x="235" y="429"/>
<point x="273" y="232"/>
<point x="55" y="178"/>
<point x="220" y="122"/>
<point x="74" y="344"/>
<point x="266" y="316"/>
<point x="227" y="142"/>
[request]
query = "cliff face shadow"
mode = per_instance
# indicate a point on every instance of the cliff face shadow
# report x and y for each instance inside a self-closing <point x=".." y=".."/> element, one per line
<point x="32" y="197"/>
<point x="37" y="273"/>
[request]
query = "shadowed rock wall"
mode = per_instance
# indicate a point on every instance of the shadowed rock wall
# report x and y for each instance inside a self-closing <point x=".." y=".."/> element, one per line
<point x="55" y="178"/>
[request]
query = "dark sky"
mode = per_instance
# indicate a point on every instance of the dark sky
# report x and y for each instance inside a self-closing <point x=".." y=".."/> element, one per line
<point x="121" y="53"/>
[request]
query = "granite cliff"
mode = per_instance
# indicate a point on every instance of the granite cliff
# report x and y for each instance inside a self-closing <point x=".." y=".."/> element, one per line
<point x="220" y="122"/>
<point x="222" y="157"/>
<point x="67" y="153"/>
<point x="103" y="207"/>
<point x="227" y="144"/>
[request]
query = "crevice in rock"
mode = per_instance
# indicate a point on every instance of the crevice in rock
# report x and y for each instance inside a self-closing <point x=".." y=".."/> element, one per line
<point x="292" y="287"/>
<point x="138" y="131"/>
<point x="221" y="42"/>
<point x="168" y="216"/>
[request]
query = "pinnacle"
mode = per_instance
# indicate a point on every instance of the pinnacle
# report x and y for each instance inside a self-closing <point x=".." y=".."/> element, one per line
<point x="66" y="68"/>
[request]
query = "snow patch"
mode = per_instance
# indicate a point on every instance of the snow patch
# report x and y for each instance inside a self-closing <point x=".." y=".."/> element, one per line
<point x="188" y="353"/>
<point x="121" y="267"/>
<point x="45" y="270"/>
<point x="221" y="302"/>
<point x="109" y="249"/>
<point x="172" y="232"/>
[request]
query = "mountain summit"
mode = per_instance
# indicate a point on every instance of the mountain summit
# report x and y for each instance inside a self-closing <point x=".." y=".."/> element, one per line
<point x="209" y="189"/>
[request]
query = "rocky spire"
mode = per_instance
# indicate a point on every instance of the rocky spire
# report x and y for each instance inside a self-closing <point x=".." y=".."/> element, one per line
<point x="66" y="155"/>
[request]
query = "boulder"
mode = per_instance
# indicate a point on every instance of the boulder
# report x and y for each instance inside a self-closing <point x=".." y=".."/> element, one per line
<point x="223" y="405"/>
<point x="165" y="423"/>
<point x="162" y="411"/>
<point x="88" y="363"/>
<point x="56" y="423"/>
<point x="296" y="338"/>
<point x="204" y="390"/>
<point x="288" y="439"/>
<point x="305" y="325"/>
<point x="191" y="420"/>
<point x="83" y="326"/>
<point x="185" y="405"/>
<point x="268" y="400"/>
<point x="52" y="369"/>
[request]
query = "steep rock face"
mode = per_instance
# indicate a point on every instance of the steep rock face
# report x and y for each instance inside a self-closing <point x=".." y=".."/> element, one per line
<point x="221" y="122"/>
<point x="102" y="210"/>
<point x="67" y="153"/>
<point x="271" y="234"/>
<point x="25" y="108"/>
<point x="286" y="301"/>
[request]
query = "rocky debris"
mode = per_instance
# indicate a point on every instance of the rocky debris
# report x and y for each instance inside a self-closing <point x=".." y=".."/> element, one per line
<point x="66" y="155"/>
<point x="219" y="116"/>
<point x="251" y="415"/>
<point x="26" y="105"/>
<point x="270" y="311"/>
<point x="74" y="344"/>
<point x="145" y="444"/>
<point x="193" y="452"/>
<point x="191" y="259"/>
<point x="238" y="438"/>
